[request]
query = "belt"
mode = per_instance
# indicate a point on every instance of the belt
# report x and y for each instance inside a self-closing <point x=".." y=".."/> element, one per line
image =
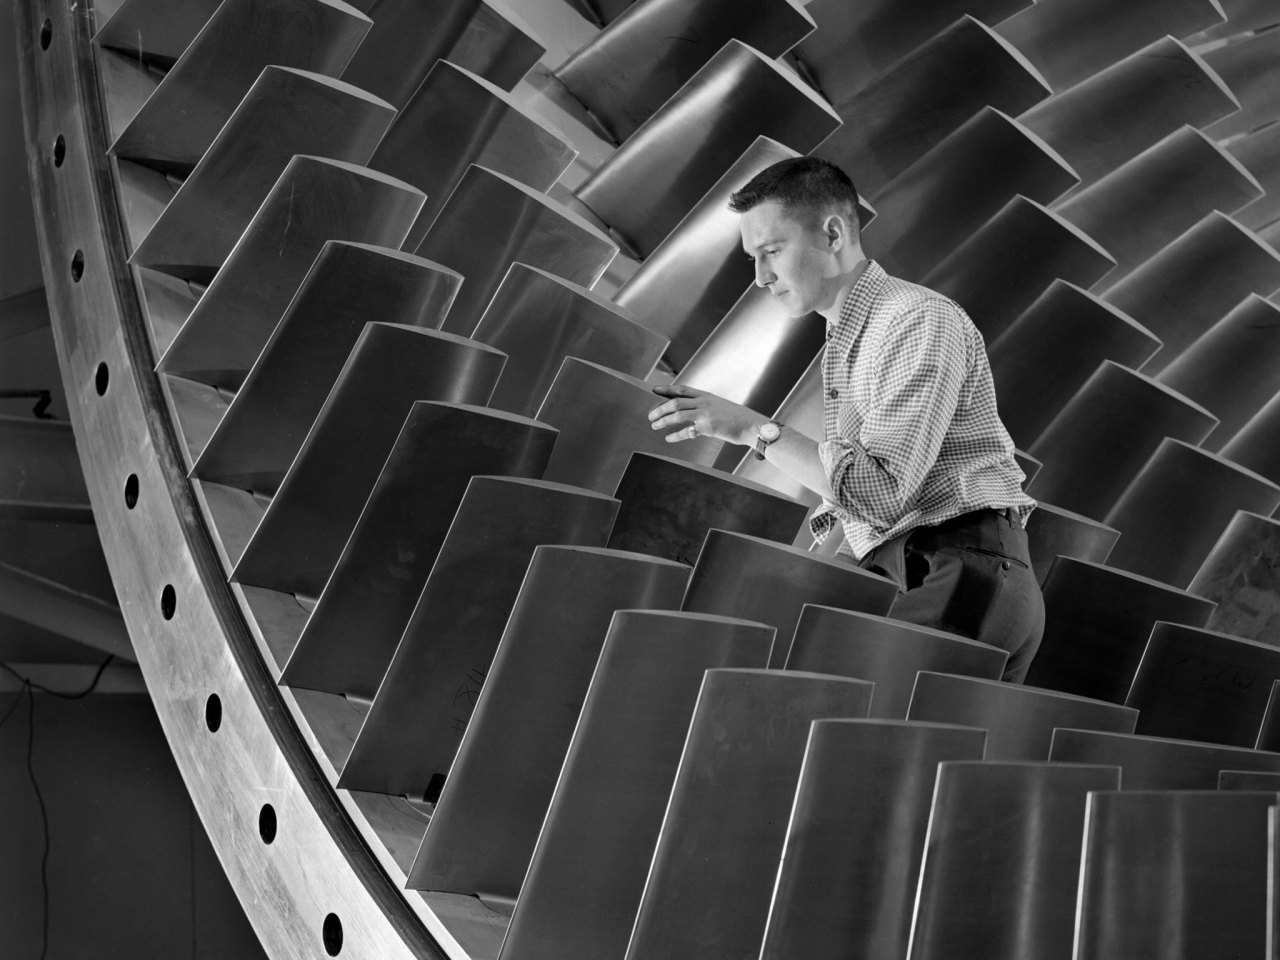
<point x="975" y="516"/>
<point x="929" y="537"/>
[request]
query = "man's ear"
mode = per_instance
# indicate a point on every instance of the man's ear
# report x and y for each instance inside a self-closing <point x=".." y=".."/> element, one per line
<point x="837" y="232"/>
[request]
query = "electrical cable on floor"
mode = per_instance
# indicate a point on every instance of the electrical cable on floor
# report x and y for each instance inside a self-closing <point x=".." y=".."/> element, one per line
<point x="93" y="684"/>
<point x="29" y="687"/>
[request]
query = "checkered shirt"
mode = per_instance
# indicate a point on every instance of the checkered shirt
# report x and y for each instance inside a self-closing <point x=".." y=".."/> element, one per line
<point x="911" y="435"/>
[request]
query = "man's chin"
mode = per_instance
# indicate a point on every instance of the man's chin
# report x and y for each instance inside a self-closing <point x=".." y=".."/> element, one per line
<point x="789" y="303"/>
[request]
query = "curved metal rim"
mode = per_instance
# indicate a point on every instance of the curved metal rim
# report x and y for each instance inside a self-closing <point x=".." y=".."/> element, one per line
<point x="165" y="536"/>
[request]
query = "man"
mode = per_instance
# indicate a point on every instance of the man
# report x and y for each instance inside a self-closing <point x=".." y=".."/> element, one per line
<point x="914" y="461"/>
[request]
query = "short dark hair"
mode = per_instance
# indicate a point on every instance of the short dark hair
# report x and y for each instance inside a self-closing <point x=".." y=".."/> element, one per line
<point x="807" y="183"/>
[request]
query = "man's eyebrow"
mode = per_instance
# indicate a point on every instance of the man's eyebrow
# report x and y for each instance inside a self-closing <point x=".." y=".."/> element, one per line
<point x="762" y="243"/>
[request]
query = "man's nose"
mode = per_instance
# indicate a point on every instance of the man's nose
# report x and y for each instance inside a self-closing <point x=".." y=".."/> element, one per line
<point x="764" y="276"/>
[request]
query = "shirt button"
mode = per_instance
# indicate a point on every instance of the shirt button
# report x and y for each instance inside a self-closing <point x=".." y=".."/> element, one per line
<point x="1005" y="564"/>
<point x="833" y="393"/>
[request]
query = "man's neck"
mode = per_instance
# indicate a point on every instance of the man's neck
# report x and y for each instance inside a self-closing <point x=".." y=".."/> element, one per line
<point x="831" y="313"/>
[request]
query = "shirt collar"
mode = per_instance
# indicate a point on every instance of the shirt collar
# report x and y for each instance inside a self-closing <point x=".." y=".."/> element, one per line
<point x="858" y="302"/>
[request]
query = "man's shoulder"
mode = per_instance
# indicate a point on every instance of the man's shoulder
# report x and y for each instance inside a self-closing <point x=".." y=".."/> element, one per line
<point x="899" y="294"/>
<point x="903" y="304"/>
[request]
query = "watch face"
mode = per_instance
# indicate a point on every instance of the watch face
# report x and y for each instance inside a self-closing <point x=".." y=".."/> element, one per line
<point x="770" y="432"/>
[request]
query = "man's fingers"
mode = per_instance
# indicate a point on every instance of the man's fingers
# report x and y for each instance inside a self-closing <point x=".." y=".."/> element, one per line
<point x="676" y="390"/>
<point x="676" y="419"/>
<point x="688" y="433"/>
<point x="670" y="407"/>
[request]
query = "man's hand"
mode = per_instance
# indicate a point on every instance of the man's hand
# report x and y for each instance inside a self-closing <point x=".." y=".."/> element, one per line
<point x="700" y="414"/>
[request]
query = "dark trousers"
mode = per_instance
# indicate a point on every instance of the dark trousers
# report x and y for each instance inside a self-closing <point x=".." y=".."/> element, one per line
<point x="971" y="576"/>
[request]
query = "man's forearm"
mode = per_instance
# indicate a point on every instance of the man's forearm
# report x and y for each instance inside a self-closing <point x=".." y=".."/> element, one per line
<point x="796" y="455"/>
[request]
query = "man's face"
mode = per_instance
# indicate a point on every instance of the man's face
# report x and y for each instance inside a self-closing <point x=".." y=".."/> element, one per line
<point x="794" y="259"/>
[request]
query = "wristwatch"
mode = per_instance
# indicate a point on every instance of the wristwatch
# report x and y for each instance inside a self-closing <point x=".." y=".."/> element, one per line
<point x="768" y="433"/>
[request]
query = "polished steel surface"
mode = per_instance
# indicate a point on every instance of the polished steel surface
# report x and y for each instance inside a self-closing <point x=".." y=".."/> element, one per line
<point x="1241" y="575"/>
<point x="314" y="201"/>
<point x="1147" y="203"/>
<point x="1002" y="860"/>
<point x="1179" y="875"/>
<point x="640" y="60"/>
<point x="285" y="112"/>
<point x="1242" y="16"/>
<point x="1169" y="297"/>
<point x="669" y="507"/>
<point x="1248" y="780"/>
<point x="261" y="432"/>
<point x="455" y="119"/>
<point x="1113" y="115"/>
<point x="602" y="416"/>
<point x="1028" y="464"/>
<point x="485" y="825"/>
<point x="998" y="272"/>
<point x="409" y="36"/>
<point x="490" y="222"/>
<point x="424" y="703"/>
<point x="1069" y="40"/>
<point x="602" y="12"/>
<point x="1053" y="532"/>
<point x="1104" y="435"/>
<point x="775" y="583"/>
<point x="1156" y="763"/>
<point x="352" y="633"/>
<point x="1233" y="368"/>
<point x="647" y="187"/>
<point x="155" y="31"/>
<point x="1199" y="685"/>
<point x="940" y="200"/>
<point x="886" y="652"/>
<point x="856" y="837"/>
<point x="584" y="884"/>
<point x="1097" y="622"/>
<point x="1269" y="729"/>
<point x="301" y="536"/>
<point x="1019" y="720"/>
<point x="539" y="319"/>
<point x="1176" y="508"/>
<point x="1259" y="152"/>
<point x="693" y="278"/>
<point x="1250" y="65"/>
<point x="1257" y="444"/>
<point x="182" y="117"/>
<point x="712" y="876"/>
<point x="856" y="41"/>
<point x="756" y="354"/>
<point x="913" y="104"/>
<point x="1051" y="350"/>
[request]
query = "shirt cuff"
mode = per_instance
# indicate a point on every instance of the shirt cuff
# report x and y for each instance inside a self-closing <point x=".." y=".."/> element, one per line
<point x="822" y="522"/>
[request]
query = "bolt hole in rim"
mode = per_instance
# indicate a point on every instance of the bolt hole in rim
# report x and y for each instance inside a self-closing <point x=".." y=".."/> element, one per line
<point x="332" y="935"/>
<point x="168" y="601"/>
<point x="213" y="712"/>
<point x="267" y="823"/>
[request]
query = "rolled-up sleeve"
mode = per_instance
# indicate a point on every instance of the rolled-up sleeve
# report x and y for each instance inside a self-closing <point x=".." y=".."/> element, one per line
<point x="920" y="367"/>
